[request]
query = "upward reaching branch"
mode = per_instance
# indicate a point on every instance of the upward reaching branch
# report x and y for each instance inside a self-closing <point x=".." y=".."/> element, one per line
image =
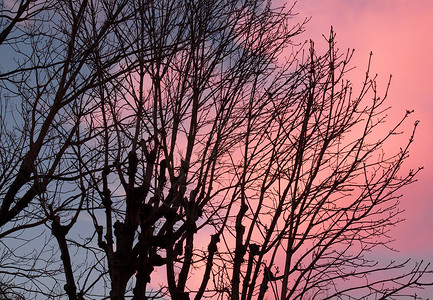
<point x="190" y="149"/>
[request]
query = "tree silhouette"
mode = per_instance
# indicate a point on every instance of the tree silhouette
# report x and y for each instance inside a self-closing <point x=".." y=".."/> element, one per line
<point x="191" y="149"/>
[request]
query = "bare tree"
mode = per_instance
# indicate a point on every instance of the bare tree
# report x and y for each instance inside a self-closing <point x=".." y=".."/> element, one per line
<point x="45" y="98"/>
<point x="173" y="149"/>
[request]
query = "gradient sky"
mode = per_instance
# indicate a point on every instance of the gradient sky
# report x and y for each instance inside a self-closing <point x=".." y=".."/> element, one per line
<point x="400" y="35"/>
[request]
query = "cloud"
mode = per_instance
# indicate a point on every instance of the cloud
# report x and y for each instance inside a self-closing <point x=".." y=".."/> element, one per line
<point x="398" y="32"/>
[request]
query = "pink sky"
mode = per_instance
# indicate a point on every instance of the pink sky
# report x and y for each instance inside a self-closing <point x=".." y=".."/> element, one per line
<point x="400" y="34"/>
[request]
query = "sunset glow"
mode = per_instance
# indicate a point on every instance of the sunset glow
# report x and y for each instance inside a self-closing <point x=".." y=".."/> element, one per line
<point x="220" y="149"/>
<point x="399" y="33"/>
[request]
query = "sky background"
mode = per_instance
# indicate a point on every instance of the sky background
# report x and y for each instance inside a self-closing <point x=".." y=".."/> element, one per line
<point x="400" y="35"/>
